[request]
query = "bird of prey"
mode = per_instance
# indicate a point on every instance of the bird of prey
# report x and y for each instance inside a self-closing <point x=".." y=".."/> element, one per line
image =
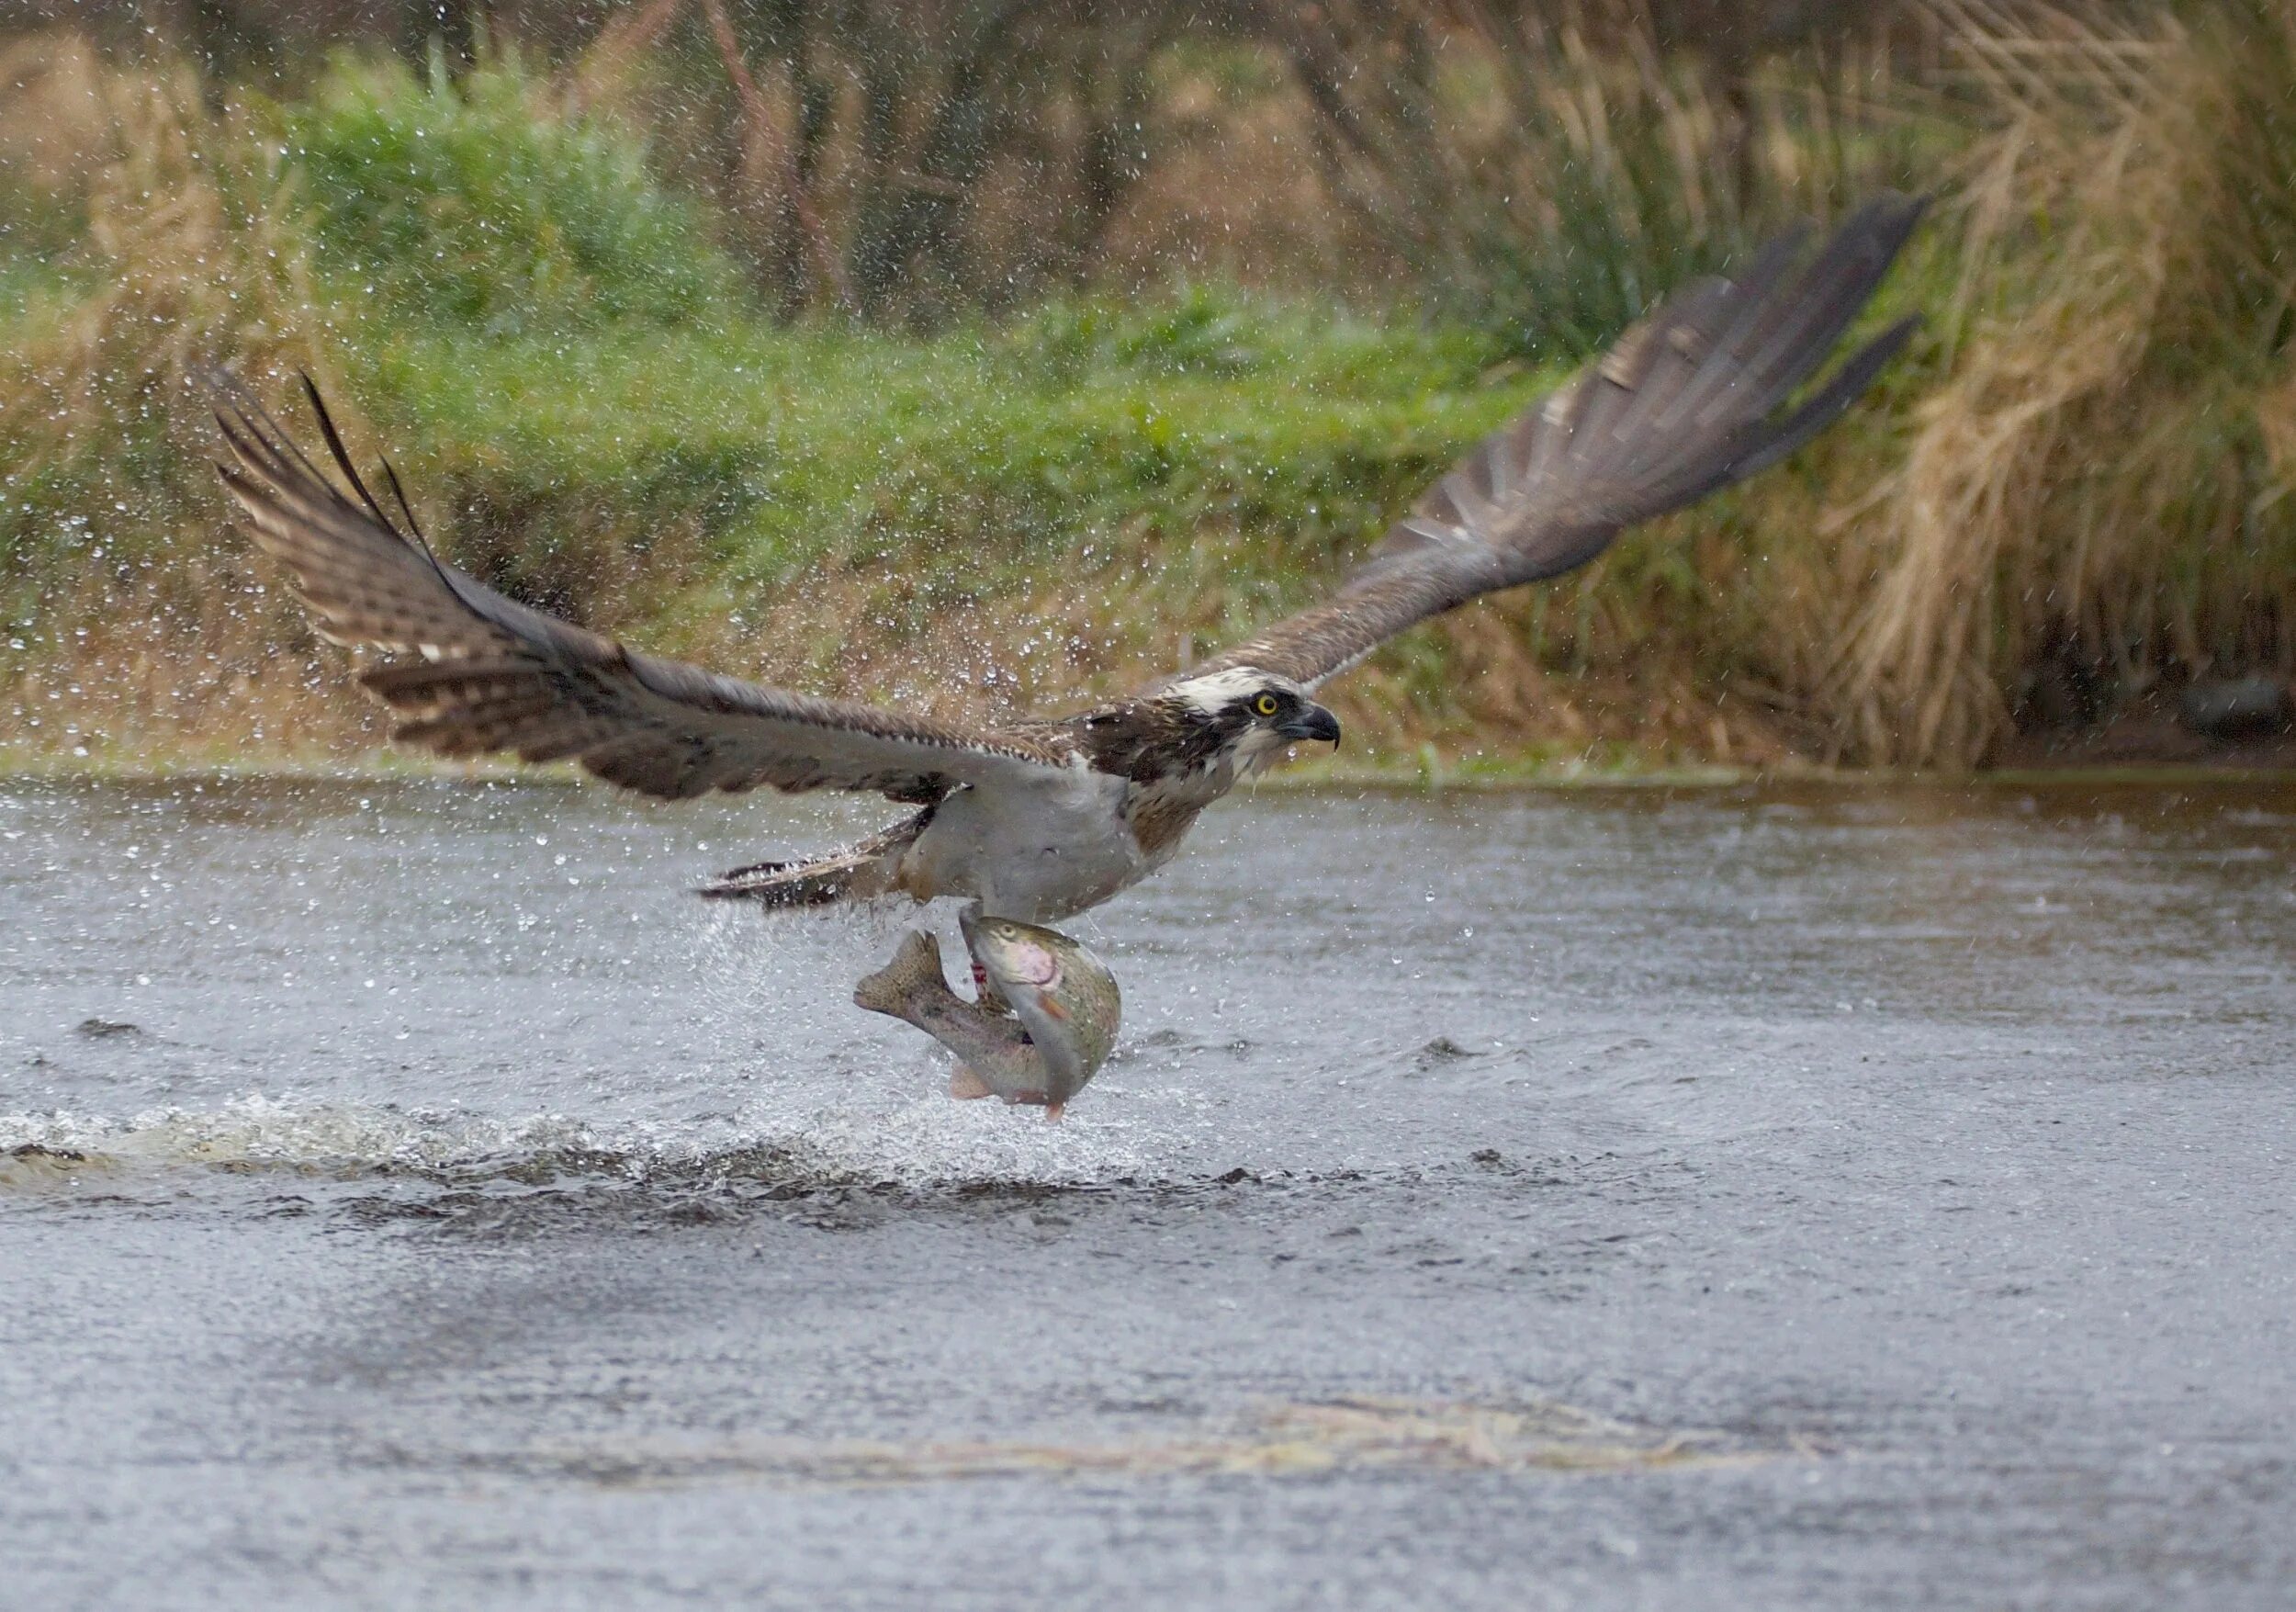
<point x="1040" y="819"/>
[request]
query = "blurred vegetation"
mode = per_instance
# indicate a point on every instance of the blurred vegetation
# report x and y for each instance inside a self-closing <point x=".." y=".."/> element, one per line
<point x="454" y="202"/>
<point x="1018" y="357"/>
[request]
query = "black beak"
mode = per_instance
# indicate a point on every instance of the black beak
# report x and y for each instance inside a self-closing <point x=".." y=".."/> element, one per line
<point x="1311" y="722"/>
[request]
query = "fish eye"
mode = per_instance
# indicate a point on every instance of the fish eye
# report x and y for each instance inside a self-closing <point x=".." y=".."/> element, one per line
<point x="1266" y="705"/>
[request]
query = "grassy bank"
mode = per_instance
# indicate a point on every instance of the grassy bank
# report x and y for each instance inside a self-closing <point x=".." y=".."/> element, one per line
<point x="2074" y="483"/>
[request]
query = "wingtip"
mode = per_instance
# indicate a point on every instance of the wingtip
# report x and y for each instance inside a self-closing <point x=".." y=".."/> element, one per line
<point x="1894" y="204"/>
<point x="1888" y="221"/>
<point x="1900" y="331"/>
<point x="224" y="390"/>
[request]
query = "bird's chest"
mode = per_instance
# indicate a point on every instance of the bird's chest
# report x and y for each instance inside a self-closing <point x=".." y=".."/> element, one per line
<point x="1039" y="853"/>
<point x="1161" y="814"/>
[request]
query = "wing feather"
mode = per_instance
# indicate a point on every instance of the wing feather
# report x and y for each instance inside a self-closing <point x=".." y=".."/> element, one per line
<point x="470" y="672"/>
<point x="1686" y="402"/>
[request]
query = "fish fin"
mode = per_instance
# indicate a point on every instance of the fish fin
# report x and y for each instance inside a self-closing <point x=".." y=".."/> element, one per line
<point x="965" y="1085"/>
<point x="915" y="967"/>
<point x="1053" y="1112"/>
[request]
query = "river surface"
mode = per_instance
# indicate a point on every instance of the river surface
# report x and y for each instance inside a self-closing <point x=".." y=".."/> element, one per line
<point x="409" y="1197"/>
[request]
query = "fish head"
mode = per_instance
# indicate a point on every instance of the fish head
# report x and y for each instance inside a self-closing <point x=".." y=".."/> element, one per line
<point x="1062" y="994"/>
<point x="1019" y="956"/>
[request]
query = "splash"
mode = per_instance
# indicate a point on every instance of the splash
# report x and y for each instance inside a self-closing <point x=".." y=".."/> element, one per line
<point x="925" y="1144"/>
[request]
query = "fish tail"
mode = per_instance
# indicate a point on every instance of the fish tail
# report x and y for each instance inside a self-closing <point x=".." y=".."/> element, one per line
<point x="915" y="967"/>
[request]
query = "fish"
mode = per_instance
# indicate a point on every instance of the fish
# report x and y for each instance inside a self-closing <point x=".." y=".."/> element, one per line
<point x="1044" y="1024"/>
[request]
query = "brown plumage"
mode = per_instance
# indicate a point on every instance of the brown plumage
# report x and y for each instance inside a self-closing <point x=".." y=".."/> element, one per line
<point x="1685" y="402"/>
<point x="477" y="672"/>
<point x="861" y="872"/>
<point x="1037" y="819"/>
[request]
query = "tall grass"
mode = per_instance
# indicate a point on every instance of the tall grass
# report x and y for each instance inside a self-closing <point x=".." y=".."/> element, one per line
<point x="2079" y="473"/>
<point x="827" y="504"/>
<point x="479" y="203"/>
<point x="1546" y="172"/>
<point x="2095" y="492"/>
<point x="189" y="247"/>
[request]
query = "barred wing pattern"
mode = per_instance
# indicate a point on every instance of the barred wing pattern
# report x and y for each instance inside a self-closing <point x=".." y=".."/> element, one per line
<point x="1689" y="400"/>
<point x="469" y="671"/>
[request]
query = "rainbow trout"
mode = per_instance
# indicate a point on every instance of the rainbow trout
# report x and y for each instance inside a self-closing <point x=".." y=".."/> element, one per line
<point x="1048" y="1035"/>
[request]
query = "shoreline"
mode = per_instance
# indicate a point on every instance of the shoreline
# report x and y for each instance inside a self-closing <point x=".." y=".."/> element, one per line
<point x="1479" y="775"/>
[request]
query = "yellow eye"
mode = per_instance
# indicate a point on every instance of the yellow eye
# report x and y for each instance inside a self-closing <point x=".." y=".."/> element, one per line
<point x="1266" y="705"/>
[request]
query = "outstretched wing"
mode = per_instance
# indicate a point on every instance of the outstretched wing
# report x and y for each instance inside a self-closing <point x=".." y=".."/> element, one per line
<point x="1690" y="399"/>
<point x="470" y="672"/>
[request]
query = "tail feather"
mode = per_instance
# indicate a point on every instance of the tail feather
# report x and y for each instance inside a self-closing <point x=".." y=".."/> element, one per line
<point x="820" y="882"/>
<point x="858" y="873"/>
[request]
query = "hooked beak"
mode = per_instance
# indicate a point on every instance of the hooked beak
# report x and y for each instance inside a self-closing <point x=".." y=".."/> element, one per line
<point x="1311" y="721"/>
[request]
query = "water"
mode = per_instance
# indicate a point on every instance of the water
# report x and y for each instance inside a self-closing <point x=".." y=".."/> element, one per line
<point x="1852" y="1197"/>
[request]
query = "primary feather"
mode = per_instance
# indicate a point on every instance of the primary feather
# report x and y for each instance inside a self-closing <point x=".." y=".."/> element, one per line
<point x="471" y="671"/>
<point x="1688" y="401"/>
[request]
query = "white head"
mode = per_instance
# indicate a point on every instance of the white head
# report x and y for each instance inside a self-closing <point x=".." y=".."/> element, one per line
<point x="1245" y="716"/>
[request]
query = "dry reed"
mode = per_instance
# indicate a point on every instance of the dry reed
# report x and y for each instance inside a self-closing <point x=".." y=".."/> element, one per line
<point x="189" y="253"/>
<point x="2093" y="491"/>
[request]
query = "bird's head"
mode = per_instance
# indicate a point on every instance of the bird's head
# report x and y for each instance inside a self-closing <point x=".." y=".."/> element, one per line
<point x="1245" y="716"/>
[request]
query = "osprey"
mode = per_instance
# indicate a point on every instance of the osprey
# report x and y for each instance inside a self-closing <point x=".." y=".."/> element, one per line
<point x="1040" y="819"/>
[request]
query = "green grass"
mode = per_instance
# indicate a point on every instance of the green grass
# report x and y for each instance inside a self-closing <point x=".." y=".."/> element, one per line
<point x="592" y="410"/>
<point x="975" y="462"/>
<point x="470" y="204"/>
<point x="24" y="280"/>
<point x="561" y="354"/>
